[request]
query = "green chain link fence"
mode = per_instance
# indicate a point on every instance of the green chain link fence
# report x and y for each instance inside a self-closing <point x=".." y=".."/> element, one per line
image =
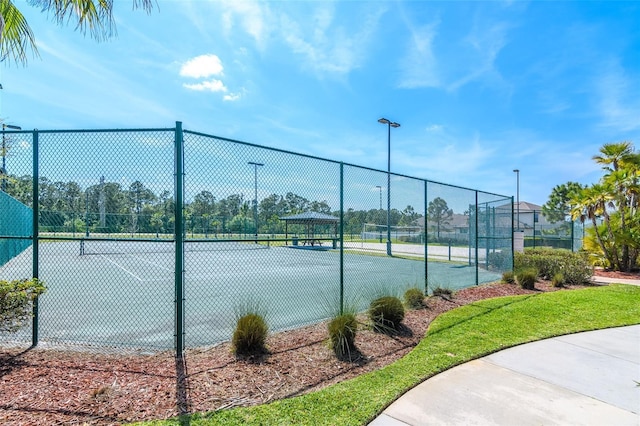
<point x="298" y="237"/>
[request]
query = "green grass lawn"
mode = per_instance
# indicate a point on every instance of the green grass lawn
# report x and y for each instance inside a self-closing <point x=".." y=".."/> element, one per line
<point x="455" y="337"/>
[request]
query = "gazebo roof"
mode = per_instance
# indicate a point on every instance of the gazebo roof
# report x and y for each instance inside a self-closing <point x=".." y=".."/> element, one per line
<point x="311" y="218"/>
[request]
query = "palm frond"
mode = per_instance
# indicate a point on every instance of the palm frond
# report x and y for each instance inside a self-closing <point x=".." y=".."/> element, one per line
<point x="16" y="37"/>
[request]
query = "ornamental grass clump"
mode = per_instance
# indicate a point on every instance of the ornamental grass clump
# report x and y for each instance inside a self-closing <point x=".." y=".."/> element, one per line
<point x="509" y="277"/>
<point x="558" y="280"/>
<point x="250" y="335"/>
<point x="414" y="298"/>
<point x="342" y="335"/>
<point x="386" y="313"/>
<point x="526" y="278"/>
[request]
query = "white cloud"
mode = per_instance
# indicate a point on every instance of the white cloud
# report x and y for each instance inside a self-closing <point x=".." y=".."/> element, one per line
<point x="251" y="16"/>
<point x="231" y="97"/>
<point x="327" y="46"/>
<point x="619" y="99"/>
<point x="207" y="86"/>
<point x="202" y="66"/>
<point x="419" y="67"/>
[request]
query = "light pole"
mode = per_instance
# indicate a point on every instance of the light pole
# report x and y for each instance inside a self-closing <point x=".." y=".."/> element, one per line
<point x="255" y="194"/>
<point x="4" y="153"/>
<point x="517" y="172"/>
<point x="389" y="124"/>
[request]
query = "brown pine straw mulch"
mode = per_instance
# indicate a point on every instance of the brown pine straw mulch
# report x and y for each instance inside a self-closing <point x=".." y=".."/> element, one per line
<point x="47" y="386"/>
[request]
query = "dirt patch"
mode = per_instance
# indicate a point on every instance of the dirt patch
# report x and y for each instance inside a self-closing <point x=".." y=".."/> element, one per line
<point x="43" y="387"/>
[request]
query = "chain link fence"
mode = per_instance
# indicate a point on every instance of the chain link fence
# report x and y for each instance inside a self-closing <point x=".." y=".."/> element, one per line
<point x="160" y="238"/>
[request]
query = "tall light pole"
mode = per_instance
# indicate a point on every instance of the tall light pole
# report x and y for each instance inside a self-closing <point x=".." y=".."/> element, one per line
<point x="517" y="172"/>
<point x="255" y="194"/>
<point x="4" y="153"/>
<point x="389" y="124"/>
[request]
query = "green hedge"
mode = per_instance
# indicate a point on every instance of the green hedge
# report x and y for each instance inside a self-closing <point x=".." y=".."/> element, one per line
<point x="574" y="267"/>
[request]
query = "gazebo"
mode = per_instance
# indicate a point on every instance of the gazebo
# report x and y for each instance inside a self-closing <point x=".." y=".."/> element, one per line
<point x="310" y="220"/>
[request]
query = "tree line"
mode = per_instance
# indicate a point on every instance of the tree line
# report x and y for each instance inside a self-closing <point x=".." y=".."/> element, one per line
<point x="112" y="208"/>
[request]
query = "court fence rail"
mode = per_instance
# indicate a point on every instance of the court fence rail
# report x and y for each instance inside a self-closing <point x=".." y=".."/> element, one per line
<point x="160" y="238"/>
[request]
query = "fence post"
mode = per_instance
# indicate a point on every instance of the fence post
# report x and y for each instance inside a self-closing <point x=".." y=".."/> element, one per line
<point x="35" y="231"/>
<point x="477" y="214"/>
<point x="179" y="239"/>
<point x="426" y="246"/>
<point x="341" y="238"/>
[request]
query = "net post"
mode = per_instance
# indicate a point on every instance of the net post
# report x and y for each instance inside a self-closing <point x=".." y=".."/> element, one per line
<point x="179" y="239"/>
<point x="35" y="234"/>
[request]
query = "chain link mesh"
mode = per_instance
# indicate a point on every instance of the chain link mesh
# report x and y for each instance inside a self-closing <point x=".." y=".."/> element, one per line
<point x="293" y="237"/>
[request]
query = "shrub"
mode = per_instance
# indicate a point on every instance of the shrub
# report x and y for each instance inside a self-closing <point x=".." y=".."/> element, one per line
<point x="414" y="298"/>
<point x="558" y="280"/>
<point x="386" y="313"/>
<point x="342" y="334"/>
<point x="500" y="260"/>
<point x="250" y="335"/>
<point x="508" y="277"/>
<point x="526" y="278"/>
<point x="443" y="292"/>
<point x="15" y="302"/>
<point x="574" y="266"/>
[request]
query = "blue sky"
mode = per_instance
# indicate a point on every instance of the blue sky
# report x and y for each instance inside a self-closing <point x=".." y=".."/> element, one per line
<point x="479" y="88"/>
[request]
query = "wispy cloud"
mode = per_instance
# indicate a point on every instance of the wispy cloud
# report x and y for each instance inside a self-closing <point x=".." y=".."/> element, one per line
<point x="328" y="47"/>
<point x="618" y="98"/>
<point x="251" y="16"/>
<point x="419" y="66"/>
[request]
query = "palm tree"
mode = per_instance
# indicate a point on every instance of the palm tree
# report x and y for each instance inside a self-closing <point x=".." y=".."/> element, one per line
<point x="613" y="154"/>
<point x="96" y="16"/>
<point x="591" y="203"/>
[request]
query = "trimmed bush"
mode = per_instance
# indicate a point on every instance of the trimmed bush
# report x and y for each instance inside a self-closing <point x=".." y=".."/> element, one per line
<point x="526" y="278"/>
<point x="508" y="277"/>
<point x="386" y="313"/>
<point x="575" y="267"/>
<point x="250" y="335"/>
<point x="500" y="260"/>
<point x="16" y="298"/>
<point x="342" y="335"/>
<point x="414" y="298"/>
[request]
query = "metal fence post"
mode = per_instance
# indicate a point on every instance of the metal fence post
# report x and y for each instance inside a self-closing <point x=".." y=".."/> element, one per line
<point x="477" y="214"/>
<point x="179" y="239"/>
<point x="426" y="246"/>
<point x="341" y="238"/>
<point x="35" y="231"/>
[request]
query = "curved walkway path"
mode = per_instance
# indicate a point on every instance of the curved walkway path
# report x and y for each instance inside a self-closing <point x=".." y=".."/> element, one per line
<point x="590" y="378"/>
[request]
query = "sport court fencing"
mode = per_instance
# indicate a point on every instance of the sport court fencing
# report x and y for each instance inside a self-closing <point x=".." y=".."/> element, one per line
<point x="258" y="228"/>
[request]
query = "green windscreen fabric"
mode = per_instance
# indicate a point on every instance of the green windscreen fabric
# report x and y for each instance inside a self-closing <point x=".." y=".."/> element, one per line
<point x="16" y="227"/>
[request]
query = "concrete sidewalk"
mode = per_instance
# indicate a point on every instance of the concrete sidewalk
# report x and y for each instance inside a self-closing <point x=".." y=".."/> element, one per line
<point x="587" y="378"/>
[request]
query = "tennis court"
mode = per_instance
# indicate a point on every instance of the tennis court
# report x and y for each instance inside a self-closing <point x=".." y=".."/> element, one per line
<point x="122" y="293"/>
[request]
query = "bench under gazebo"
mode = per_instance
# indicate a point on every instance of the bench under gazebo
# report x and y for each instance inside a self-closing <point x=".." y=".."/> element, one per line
<point x="310" y="220"/>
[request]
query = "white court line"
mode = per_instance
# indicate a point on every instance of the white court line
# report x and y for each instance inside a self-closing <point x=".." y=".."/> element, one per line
<point x="122" y="268"/>
<point x="151" y="263"/>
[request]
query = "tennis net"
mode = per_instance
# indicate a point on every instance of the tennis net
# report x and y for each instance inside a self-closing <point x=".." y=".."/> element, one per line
<point x="97" y="247"/>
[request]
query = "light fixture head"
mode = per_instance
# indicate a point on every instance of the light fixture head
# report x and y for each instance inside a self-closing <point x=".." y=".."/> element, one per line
<point x="384" y="121"/>
<point x="394" y="124"/>
<point x="516" y="171"/>
<point x="255" y="164"/>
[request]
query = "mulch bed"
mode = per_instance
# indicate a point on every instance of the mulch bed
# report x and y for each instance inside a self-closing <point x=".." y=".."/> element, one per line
<point x="46" y="386"/>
